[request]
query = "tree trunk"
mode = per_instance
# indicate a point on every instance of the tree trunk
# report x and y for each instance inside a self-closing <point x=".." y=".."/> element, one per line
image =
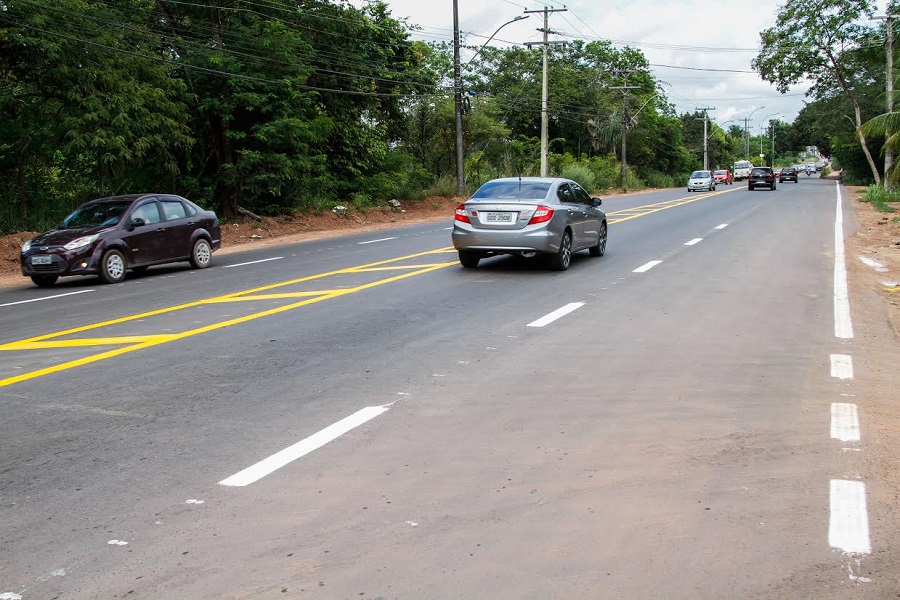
<point x="20" y="179"/>
<point x="862" y="143"/>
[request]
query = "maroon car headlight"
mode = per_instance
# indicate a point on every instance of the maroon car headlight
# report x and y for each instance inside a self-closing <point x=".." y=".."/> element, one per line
<point x="81" y="242"/>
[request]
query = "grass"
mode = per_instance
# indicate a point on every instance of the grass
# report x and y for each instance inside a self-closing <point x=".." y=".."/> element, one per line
<point x="880" y="197"/>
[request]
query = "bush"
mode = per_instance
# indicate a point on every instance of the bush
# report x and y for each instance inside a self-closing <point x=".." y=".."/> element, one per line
<point x="879" y="197"/>
<point x="581" y="174"/>
<point x="655" y="179"/>
<point x="444" y="186"/>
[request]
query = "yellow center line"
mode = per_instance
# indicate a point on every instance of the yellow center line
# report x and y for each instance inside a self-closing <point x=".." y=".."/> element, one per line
<point x="86" y="342"/>
<point x="271" y="296"/>
<point x="132" y="343"/>
<point x="157" y="340"/>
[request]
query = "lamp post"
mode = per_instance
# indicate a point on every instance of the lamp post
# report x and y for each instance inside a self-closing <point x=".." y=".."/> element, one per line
<point x="457" y="93"/>
<point x="747" y="131"/>
<point x="761" y="133"/>
<point x="474" y="56"/>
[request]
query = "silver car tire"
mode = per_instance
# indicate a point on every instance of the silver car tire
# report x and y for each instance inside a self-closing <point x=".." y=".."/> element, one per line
<point x="600" y="248"/>
<point x="469" y="260"/>
<point x="112" y="267"/>
<point x="562" y="259"/>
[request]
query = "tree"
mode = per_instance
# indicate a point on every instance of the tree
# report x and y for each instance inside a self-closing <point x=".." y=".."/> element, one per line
<point x="886" y="124"/>
<point x="813" y="40"/>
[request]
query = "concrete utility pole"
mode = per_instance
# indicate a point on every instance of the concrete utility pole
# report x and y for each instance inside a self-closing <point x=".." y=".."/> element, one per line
<point x="705" y="136"/>
<point x="457" y="100"/>
<point x="545" y="118"/>
<point x="888" y="151"/>
<point x="625" y="123"/>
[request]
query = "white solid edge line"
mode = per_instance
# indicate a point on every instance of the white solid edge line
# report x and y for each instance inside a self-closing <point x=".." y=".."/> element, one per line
<point x="556" y="314"/>
<point x="303" y="447"/>
<point x="842" y="366"/>
<point x="646" y="267"/>
<point x="253" y="262"/>
<point x="693" y="242"/>
<point x="843" y="327"/>
<point x="848" y="527"/>
<point x="844" y="422"/>
<point x="374" y="241"/>
<point x="46" y="298"/>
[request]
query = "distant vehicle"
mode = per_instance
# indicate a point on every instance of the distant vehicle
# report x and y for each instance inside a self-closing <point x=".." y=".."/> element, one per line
<point x="788" y="174"/>
<point x="761" y="176"/>
<point x="701" y="180"/>
<point x="741" y="169"/>
<point x="724" y="176"/>
<point x="820" y="165"/>
<point x="529" y="216"/>
<point x="109" y="236"/>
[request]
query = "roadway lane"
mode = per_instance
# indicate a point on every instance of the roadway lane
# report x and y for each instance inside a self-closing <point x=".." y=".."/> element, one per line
<point x="664" y="439"/>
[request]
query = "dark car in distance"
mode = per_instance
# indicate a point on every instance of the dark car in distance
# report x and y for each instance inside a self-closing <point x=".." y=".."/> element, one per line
<point x="788" y="174"/>
<point x="761" y="176"/>
<point x="109" y="236"/>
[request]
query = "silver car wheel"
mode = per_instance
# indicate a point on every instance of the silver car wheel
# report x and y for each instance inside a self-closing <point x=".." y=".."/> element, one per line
<point x="600" y="248"/>
<point x="563" y="258"/>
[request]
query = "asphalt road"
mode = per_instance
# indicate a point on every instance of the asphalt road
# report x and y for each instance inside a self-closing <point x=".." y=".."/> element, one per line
<point x="360" y="417"/>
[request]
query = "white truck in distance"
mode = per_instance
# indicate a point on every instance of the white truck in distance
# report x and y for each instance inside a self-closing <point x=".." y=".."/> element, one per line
<point x="741" y="169"/>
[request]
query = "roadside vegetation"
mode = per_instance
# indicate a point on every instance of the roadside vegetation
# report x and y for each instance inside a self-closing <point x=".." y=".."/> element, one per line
<point x="881" y="198"/>
<point x="296" y="106"/>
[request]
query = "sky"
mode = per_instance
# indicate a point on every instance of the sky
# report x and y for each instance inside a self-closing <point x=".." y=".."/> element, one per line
<point x="685" y="41"/>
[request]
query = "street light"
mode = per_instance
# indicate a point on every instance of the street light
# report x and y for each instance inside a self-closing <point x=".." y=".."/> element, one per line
<point x="519" y="18"/>
<point x="761" y="133"/>
<point x="772" y="126"/>
<point x="457" y="93"/>
<point x="747" y="132"/>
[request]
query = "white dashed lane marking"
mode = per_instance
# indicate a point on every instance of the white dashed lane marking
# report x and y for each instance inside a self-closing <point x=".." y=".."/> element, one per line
<point x="556" y="314"/>
<point x="647" y="266"/>
<point x="849" y="527"/>
<point x="844" y="422"/>
<point x="280" y="459"/>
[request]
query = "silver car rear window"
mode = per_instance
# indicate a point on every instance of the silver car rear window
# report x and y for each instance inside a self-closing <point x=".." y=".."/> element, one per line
<point x="513" y="190"/>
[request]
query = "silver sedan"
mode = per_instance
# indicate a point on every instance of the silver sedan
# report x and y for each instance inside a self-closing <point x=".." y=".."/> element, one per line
<point x="529" y="216"/>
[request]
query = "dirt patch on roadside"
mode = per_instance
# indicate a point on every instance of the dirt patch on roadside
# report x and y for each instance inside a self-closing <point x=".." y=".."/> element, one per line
<point x="877" y="239"/>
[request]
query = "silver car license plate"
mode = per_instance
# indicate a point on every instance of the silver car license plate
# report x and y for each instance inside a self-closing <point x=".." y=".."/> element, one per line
<point x="498" y="217"/>
<point x="41" y="259"/>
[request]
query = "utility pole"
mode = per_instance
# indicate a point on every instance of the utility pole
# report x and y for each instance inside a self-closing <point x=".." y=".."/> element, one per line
<point x="706" y="136"/>
<point x="545" y="118"/>
<point x="457" y="100"/>
<point x="889" y="78"/>
<point x="772" y="125"/>
<point x="625" y="123"/>
<point x="746" y="138"/>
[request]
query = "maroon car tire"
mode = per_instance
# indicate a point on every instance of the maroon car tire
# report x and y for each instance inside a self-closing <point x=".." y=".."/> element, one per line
<point x="201" y="254"/>
<point x="113" y="267"/>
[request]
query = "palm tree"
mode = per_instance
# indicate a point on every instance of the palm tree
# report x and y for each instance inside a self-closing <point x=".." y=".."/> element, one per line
<point x="887" y="124"/>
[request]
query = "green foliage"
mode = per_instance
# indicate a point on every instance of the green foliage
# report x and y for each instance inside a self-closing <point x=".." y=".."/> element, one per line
<point x="304" y="104"/>
<point x="827" y="43"/>
<point x="580" y="173"/>
<point x="880" y="197"/>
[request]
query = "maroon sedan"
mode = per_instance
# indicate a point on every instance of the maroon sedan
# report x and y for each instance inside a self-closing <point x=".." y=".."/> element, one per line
<point x="109" y="236"/>
<point x="724" y="176"/>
